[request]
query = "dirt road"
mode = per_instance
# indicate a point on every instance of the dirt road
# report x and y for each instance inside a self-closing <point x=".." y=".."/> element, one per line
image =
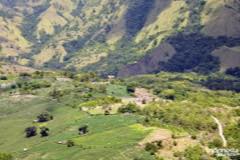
<point x="220" y="131"/>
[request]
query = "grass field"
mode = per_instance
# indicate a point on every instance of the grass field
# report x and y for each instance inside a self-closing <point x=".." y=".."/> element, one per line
<point x="117" y="90"/>
<point x="110" y="137"/>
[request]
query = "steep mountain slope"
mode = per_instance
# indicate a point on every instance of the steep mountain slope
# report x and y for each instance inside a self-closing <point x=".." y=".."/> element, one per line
<point x="113" y="36"/>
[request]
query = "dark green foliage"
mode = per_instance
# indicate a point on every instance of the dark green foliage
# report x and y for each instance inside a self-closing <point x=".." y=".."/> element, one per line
<point x="44" y="117"/>
<point x="107" y="112"/>
<point x="38" y="74"/>
<point x="31" y="131"/>
<point x="136" y="15"/>
<point x="153" y="147"/>
<point x="44" y="131"/>
<point x="26" y="84"/>
<point x="130" y="108"/>
<point x="4" y="156"/>
<point x="194" y="52"/>
<point x="3" y="78"/>
<point x="83" y="130"/>
<point x="24" y="74"/>
<point x="221" y="83"/>
<point x="233" y="72"/>
<point x="130" y="88"/>
<point x="194" y="137"/>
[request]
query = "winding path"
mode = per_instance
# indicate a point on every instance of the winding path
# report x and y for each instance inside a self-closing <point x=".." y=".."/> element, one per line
<point x="220" y="131"/>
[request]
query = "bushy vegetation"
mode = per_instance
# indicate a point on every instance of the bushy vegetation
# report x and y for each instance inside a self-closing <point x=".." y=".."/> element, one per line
<point x="186" y="115"/>
<point x="195" y="153"/>
<point x="153" y="147"/>
<point x="28" y="85"/>
<point x="233" y="71"/>
<point x="83" y="130"/>
<point x="4" y="156"/>
<point x="129" y="108"/>
<point x="232" y="133"/>
<point x="222" y="83"/>
<point x="3" y="78"/>
<point x="215" y="143"/>
<point x="31" y="131"/>
<point x="44" y="117"/>
<point x="70" y="143"/>
<point x="135" y="17"/>
<point x="44" y="131"/>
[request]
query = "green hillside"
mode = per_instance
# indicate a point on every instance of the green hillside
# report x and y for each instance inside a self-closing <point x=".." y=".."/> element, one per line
<point x="122" y="116"/>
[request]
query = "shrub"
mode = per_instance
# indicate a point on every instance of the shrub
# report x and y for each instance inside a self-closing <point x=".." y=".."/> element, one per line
<point x="44" y="117"/>
<point x="32" y="85"/>
<point x="25" y="75"/>
<point x="194" y="153"/>
<point x="130" y="89"/>
<point x="194" y="137"/>
<point x="130" y="108"/>
<point x="4" y="78"/>
<point x="221" y="83"/>
<point x="56" y="94"/>
<point x="70" y="143"/>
<point x="31" y="131"/>
<point x="233" y="71"/>
<point x="44" y="131"/>
<point x="153" y="147"/>
<point x="106" y="112"/>
<point x="38" y="74"/>
<point x="4" y="156"/>
<point x="169" y="94"/>
<point x="175" y="143"/>
<point x="215" y="143"/>
<point x="83" y="130"/>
